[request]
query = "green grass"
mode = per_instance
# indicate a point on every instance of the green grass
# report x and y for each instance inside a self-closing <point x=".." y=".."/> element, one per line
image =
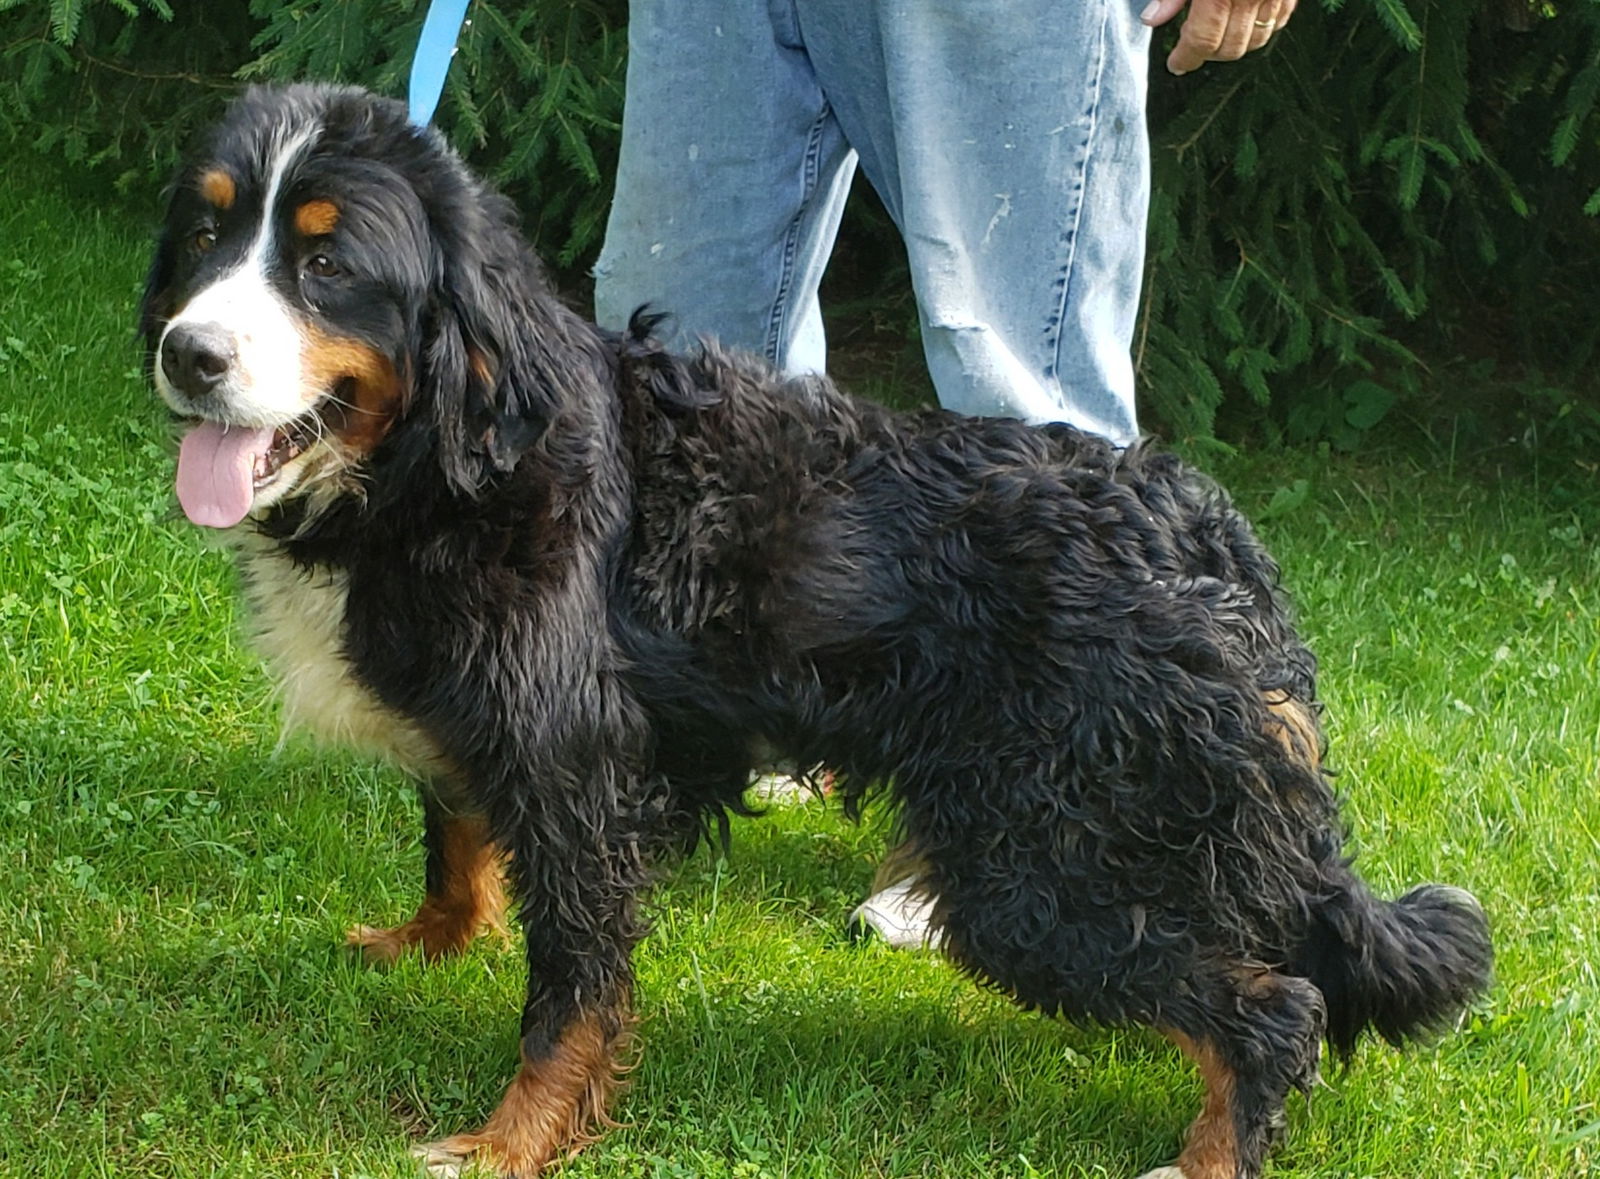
<point x="174" y="999"/>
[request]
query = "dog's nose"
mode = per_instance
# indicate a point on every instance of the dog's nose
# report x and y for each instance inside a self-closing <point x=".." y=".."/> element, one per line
<point x="196" y="357"/>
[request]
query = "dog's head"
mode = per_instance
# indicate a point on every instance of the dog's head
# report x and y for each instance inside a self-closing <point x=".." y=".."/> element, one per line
<point x="332" y="286"/>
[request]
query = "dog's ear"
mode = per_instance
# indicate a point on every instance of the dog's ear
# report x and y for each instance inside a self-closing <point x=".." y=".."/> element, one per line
<point x="490" y="361"/>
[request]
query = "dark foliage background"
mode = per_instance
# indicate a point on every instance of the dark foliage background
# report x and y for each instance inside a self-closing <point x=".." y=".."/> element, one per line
<point x="1393" y="213"/>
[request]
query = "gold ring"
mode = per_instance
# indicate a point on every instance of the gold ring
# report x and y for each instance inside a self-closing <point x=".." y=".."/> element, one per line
<point x="1265" y="24"/>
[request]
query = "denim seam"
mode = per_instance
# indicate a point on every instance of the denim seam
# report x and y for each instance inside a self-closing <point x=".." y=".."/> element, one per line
<point x="1076" y="221"/>
<point x="791" y="239"/>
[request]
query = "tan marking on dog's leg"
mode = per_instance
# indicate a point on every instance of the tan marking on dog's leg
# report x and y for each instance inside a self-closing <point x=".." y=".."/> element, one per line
<point x="551" y="1110"/>
<point x="1295" y="727"/>
<point x="471" y="899"/>
<point x="1212" y="1148"/>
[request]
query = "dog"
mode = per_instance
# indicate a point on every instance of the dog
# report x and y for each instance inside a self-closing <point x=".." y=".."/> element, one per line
<point x="572" y="581"/>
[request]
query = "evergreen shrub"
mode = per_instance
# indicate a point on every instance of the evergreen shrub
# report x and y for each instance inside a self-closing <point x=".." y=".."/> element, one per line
<point x="1392" y="180"/>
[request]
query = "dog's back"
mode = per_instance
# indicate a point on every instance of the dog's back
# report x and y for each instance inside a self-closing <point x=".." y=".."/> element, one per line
<point x="807" y="546"/>
<point x="957" y="607"/>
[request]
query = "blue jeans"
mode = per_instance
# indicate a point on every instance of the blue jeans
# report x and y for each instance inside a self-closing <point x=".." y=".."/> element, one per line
<point x="1005" y="137"/>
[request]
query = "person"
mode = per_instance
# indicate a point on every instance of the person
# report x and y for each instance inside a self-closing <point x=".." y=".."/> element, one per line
<point x="1007" y="140"/>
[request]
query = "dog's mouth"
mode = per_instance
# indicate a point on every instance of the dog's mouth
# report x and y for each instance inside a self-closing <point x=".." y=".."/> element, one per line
<point x="288" y="443"/>
<point x="222" y="467"/>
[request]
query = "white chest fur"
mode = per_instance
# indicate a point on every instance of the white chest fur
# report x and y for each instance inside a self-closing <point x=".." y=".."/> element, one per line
<point x="297" y="623"/>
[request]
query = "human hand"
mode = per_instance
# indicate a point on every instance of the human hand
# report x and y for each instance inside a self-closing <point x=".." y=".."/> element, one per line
<point x="1218" y="30"/>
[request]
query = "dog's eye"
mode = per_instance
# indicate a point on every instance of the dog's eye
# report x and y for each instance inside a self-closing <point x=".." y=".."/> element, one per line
<point x="204" y="238"/>
<point x="321" y="266"/>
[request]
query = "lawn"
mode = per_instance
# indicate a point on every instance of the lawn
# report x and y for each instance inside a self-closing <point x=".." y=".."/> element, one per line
<point x="176" y="1000"/>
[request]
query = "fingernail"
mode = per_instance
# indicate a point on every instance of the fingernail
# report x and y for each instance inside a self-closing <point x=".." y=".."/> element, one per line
<point x="1150" y="10"/>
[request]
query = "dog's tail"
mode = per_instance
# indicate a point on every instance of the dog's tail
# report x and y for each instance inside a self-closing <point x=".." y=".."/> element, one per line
<point x="1400" y="967"/>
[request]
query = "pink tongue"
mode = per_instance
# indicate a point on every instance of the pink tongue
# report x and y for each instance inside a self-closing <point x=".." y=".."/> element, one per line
<point x="216" y="472"/>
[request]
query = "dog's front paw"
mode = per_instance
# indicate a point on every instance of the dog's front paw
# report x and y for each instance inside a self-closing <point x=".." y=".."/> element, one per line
<point x="441" y="1160"/>
<point x="1165" y="1173"/>
<point x="464" y="1155"/>
<point x="379" y="947"/>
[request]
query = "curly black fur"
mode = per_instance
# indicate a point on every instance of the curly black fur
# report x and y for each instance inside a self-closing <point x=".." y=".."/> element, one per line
<point x="596" y="574"/>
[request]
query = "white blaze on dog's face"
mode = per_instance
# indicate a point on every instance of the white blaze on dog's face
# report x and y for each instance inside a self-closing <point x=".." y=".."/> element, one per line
<point x="233" y="354"/>
<point x="240" y="327"/>
<point x="273" y="321"/>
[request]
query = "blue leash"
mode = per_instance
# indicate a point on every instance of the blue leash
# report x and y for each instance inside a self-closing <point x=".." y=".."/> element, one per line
<point x="435" y="47"/>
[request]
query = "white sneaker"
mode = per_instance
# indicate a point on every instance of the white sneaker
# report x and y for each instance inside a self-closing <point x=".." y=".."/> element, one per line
<point x="899" y="914"/>
<point x="781" y="789"/>
<point x="785" y="786"/>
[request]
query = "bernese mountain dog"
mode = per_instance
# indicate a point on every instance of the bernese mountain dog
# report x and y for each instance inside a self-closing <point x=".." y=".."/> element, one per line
<point x="572" y="582"/>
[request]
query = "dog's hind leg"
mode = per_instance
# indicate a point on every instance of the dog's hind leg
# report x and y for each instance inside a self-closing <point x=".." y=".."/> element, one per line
<point x="1254" y="1035"/>
<point x="464" y="893"/>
